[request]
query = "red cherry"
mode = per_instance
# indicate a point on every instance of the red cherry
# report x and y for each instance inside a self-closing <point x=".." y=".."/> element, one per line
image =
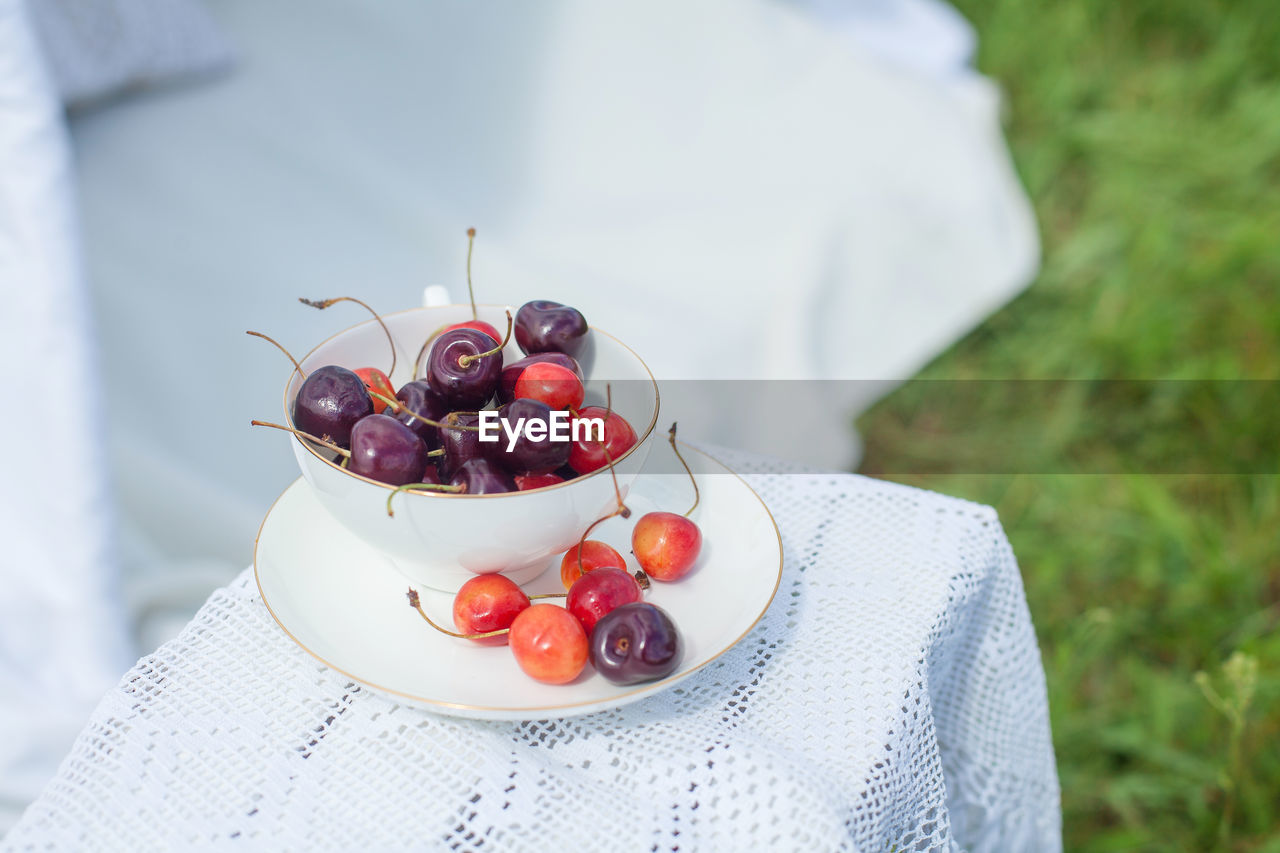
<point x="375" y="380"/>
<point x="549" y="644"/>
<point x="525" y="482"/>
<point x="479" y="326"/>
<point x="595" y="594"/>
<point x="557" y="386"/>
<point x="666" y="545"/>
<point x="595" y="554"/>
<point x="587" y="454"/>
<point x="488" y="603"/>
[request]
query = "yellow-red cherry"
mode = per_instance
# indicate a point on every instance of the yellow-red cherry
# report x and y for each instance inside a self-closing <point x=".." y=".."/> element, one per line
<point x="595" y="555"/>
<point x="488" y="603"/>
<point x="375" y="380"/>
<point x="549" y="644"/>
<point x="666" y="545"/>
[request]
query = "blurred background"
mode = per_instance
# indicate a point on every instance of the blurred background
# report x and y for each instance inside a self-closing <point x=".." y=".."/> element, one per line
<point x="943" y="211"/>
<point x="1148" y="137"/>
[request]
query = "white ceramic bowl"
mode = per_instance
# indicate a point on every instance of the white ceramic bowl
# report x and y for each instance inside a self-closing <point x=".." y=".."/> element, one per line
<point x="443" y="540"/>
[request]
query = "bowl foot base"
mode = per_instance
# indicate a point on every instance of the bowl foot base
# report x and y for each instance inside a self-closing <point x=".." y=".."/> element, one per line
<point x="452" y="578"/>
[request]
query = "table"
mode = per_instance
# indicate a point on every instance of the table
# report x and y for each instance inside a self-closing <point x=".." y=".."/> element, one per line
<point x="891" y="698"/>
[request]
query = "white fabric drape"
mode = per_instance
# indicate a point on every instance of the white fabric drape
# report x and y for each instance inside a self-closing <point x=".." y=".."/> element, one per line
<point x="62" y="636"/>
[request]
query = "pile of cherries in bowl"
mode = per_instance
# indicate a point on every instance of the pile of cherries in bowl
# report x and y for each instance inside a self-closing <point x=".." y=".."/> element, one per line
<point x="426" y="433"/>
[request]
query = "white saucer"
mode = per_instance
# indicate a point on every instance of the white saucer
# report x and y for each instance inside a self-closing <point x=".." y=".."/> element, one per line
<point x="345" y="603"/>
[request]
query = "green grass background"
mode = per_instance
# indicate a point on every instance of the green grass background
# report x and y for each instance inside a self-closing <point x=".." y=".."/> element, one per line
<point x="1148" y="137"/>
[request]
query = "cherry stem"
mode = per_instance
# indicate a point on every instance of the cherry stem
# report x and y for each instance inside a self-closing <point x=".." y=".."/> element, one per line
<point x="325" y="303"/>
<point x="548" y="595"/>
<point x="416" y="604"/>
<point x="471" y="242"/>
<point x="608" y="410"/>
<point x="439" y="451"/>
<point x="622" y="509"/>
<point x="322" y="442"/>
<point x="421" y="487"/>
<point x="583" y="539"/>
<point x="671" y="437"/>
<point x="269" y="339"/>
<point x="396" y="406"/>
<point x="468" y="360"/>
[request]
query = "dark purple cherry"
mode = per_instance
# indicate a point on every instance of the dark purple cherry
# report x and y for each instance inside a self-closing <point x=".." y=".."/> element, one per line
<point x="527" y="455"/>
<point x="330" y="402"/>
<point x="459" y="445"/>
<point x="634" y="643"/>
<point x="481" y="477"/>
<point x="386" y="450"/>
<point x="546" y="326"/>
<point x="511" y="372"/>
<point x="418" y="397"/>
<point x="459" y="370"/>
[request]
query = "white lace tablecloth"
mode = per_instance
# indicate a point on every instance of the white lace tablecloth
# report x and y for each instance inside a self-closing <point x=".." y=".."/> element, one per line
<point x="891" y="698"/>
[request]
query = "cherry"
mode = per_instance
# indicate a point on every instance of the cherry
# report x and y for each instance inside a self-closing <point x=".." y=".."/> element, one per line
<point x="511" y="372"/>
<point x="416" y="603"/>
<point x="375" y="380"/>
<point x="463" y="367"/>
<point x="330" y="402"/>
<point x="553" y="384"/>
<point x="526" y="455"/>
<point x="594" y="553"/>
<point x="386" y="450"/>
<point x="546" y="326"/>
<point x="528" y="482"/>
<point x="549" y="644"/>
<point x="460" y="445"/>
<point x="634" y="643"/>
<point x="488" y="603"/>
<point x="665" y="544"/>
<point x="588" y="453"/>
<point x="599" y="592"/>
<point x="418" y="397"/>
<point x="479" y="476"/>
